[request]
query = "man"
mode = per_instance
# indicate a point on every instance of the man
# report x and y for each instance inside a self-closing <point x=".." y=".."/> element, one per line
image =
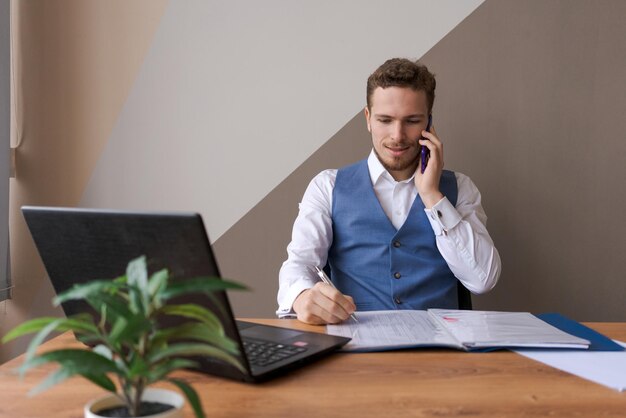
<point x="394" y="237"/>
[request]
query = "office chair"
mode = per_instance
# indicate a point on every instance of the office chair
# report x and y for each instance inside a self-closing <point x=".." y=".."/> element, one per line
<point x="465" y="297"/>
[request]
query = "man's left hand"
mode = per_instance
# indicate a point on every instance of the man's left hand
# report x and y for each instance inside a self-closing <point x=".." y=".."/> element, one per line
<point x="428" y="183"/>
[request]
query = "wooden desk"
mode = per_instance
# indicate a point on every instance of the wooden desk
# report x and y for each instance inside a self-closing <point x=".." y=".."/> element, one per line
<point x="419" y="383"/>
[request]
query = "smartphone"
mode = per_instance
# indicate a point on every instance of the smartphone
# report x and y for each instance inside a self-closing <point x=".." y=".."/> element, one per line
<point x="424" y="152"/>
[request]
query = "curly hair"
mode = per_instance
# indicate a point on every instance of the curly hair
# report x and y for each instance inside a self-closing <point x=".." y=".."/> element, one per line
<point x="402" y="72"/>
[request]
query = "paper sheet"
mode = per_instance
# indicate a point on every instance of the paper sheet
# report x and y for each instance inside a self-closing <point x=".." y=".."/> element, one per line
<point x="391" y="330"/>
<point x="504" y="329"/>
<point x="607" y="368"/>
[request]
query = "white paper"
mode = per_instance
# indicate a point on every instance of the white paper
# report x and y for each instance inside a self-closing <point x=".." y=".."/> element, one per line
<point x="503" y="329"/>
<point x="388" y="330"/>
<point x="607" y="368"/>
<point x="391" y="330"/>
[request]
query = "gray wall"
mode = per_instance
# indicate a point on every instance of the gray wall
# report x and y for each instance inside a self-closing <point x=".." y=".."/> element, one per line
<point x="532" y="104"/>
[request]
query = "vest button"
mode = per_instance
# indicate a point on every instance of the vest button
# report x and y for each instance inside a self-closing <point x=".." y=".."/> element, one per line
<point x="397" y="300"/>
<point x="397" y="275"/>
<point x="396" y="244"/>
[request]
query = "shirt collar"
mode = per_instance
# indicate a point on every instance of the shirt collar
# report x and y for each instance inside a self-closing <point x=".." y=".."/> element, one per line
<point x="377" y="171"/>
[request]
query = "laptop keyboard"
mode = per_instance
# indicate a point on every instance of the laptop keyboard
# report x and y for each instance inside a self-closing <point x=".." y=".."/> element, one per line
<point x="263" y="353"/>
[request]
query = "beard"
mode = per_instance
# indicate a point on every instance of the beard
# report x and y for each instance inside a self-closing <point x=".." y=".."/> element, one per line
<point x="392" y="164"/>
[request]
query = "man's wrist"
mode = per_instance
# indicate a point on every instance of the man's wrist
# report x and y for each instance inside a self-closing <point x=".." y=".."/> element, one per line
<point x="295" y="301"/>
<point x="431" y="199"/>
<point x="443" y="217"/>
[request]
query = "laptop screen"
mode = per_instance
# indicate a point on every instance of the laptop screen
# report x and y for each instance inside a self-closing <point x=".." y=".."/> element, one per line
<point x="80" y="245"/>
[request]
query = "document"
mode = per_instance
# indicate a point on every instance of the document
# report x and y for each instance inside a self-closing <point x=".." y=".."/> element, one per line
<point x="459" y="329"/>
<point x="607" y="368"/>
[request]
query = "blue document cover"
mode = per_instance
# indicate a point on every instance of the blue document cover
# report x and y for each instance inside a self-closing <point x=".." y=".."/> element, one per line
<point x="598" y="341"/>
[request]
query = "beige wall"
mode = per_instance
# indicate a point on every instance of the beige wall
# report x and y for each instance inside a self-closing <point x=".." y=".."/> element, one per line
<point x="75" y="63"/>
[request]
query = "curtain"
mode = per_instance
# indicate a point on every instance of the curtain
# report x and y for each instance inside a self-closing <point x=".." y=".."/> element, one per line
<point x="5" y="148"/>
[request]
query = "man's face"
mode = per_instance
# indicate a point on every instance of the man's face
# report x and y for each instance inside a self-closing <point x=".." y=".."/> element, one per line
<point x="397" y="117"/>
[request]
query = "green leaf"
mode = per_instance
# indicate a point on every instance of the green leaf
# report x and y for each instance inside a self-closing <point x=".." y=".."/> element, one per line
<point x="118" y="327"/>
<point x="194" y="349"/>
<point x="52" y="379"/>
<point x="74" y="361"/>
<point x="191" y="395"/>
<point x="128" y="330"/>
<point x="138" y="367"/>
<point x="121" y="280"/>
<point x="83" y="291"/>
<point x="28" y="327"/>
<point x="158" y="282"/>
<point x="104" y="351"/>
<point x="195" y="331"/>
<point x="199" y="285"/>
<point x="80" y="323"/>
<point x="40" y="337"/>
<point x="197" y="312"/>
<point x="82" y="361"/>
<point x="219" y="305"/>
<point x="101" y="380"/>
<point x="64" y="373"/>
<point x="160" y="371"/>
<point x="122" y="367"/>
<point x="115" y="305"/>
<point x="136" y="304"/>
<point x="137" y="273"/>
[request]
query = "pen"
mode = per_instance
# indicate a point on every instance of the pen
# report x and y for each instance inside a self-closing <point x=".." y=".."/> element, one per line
<point x="326" y="280"/>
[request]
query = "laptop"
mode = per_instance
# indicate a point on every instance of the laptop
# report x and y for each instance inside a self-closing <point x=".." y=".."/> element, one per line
<point x="80" y="245"/>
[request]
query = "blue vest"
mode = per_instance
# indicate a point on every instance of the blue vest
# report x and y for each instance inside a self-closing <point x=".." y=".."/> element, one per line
<point x="381" y="267"/>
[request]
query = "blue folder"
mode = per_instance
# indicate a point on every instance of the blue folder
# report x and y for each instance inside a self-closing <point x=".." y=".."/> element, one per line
<point x="598" y="341"/>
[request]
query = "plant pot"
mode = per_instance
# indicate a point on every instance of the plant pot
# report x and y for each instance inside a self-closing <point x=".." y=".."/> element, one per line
<point x="164" y="396"/>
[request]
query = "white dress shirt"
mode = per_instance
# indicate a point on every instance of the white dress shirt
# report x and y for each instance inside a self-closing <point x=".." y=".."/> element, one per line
<point x="461" y="232"/>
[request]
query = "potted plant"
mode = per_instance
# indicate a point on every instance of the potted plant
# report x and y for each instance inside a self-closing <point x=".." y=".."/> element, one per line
<point x="129" y="349"/>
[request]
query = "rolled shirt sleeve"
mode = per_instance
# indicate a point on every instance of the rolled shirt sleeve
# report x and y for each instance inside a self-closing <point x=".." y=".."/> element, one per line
<point x="311" y="238"/>
<point x="463" y="240"/>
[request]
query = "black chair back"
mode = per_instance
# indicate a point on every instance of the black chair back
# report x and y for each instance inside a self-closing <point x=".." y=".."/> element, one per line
<point x="465" y="297"/>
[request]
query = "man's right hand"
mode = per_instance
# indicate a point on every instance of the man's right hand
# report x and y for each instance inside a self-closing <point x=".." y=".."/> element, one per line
<point x="323" y="304"/>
